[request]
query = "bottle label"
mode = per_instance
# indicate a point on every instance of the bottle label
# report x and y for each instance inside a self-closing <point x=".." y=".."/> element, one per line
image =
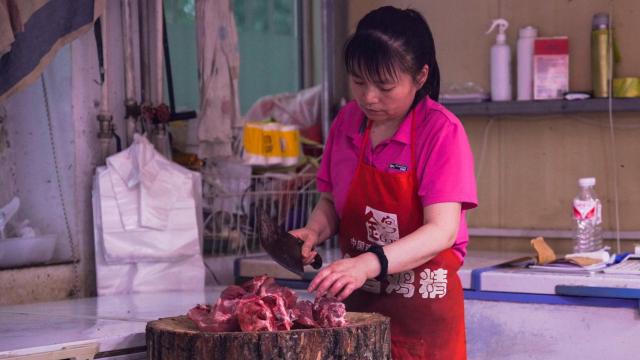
<point x="587" y="210"/>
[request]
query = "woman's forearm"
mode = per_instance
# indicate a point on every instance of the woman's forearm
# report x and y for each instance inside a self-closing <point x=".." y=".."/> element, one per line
<point x="418" y="247"/>
<point x="438" y="233"/>
<point x="324" y="219"/>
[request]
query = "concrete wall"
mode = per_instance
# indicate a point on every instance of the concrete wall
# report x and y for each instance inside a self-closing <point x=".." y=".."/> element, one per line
<point x="527" y="166"/>
<point x="27" y="168"/>
<point x="459" y="28"/>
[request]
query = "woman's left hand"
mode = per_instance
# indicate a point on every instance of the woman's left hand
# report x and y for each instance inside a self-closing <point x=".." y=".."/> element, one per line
<point x="342" y="277"/>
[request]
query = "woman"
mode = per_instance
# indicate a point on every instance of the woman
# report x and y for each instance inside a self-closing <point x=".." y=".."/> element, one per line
<point x="396" y="179"/>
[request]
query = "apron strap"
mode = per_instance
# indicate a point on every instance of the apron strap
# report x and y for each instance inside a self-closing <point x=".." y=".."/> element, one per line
<point x="363" y="144"/>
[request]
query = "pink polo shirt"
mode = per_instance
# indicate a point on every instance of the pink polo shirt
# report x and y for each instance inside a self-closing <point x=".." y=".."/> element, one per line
<point x="444" y="161"/>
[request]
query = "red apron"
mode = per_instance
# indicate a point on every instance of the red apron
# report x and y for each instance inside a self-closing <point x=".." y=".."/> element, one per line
<point x="425" y="304"/>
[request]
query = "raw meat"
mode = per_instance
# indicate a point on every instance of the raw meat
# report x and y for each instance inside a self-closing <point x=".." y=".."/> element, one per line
<point x="213" y="318"/>
<point x="252" y="286"/>
<point x="329" y="312"/>
<point x="233" y="292"/>
<point x="303" y="314"/>
<point x="277" y="306"/>
<point x="254" y="315"/>
<point x="260" y="304"/>
<point x="289" y="296"/>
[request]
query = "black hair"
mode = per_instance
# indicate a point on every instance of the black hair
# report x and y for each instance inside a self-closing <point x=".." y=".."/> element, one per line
<point x="389" y="39"/>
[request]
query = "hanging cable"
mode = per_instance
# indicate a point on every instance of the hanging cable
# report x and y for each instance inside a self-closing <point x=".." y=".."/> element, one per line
<point x="75" y="287"/>
<point x="483" y="149"/>
<point x="614" y="157"/>
<point x="479" y="165"/>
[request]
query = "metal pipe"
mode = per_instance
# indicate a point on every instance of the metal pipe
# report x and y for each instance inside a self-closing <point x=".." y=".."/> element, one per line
<point x="143" y="32"/>
<point x="105" y="134"/>
<point x="104" y="96"/>
<point x="158" y="53"/>
<point x="105" y="119"/>
<point x="167" y="65"/>
<point x="131" y="105"/>
<point x="328" y="65"/>
<point x="127" y="32"/>
<point x="299" y="28"/>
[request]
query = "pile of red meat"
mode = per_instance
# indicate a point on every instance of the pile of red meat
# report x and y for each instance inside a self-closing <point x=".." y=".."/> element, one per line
<point x="262" y="305"/>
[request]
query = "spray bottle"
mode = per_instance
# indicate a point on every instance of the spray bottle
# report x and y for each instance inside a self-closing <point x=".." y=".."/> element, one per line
<point x="500" y="63"/>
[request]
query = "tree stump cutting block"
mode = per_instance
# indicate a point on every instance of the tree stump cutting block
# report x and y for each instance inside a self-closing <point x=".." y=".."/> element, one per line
<point x="366" y="337"/>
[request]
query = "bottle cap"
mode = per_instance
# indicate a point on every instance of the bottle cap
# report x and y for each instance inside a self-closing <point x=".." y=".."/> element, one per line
<point x="600" y="21"/>
<point x="584" y="182"/>
<point x="527" y="32"/>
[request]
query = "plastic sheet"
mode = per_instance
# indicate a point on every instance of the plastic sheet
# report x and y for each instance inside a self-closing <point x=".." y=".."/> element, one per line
<point x="301" y="108"/>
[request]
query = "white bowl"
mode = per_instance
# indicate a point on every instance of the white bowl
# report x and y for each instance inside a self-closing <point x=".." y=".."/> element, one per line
<point x="27" y="250"/>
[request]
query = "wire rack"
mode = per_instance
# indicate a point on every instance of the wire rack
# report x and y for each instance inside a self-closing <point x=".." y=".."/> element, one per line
<point x="230" y="208"/>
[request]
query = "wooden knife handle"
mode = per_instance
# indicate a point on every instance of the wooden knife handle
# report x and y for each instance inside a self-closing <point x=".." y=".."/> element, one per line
<point x="317" y="262"/>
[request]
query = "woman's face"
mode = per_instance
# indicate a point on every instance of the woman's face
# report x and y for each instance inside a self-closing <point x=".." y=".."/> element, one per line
<point x="389" y="100"/>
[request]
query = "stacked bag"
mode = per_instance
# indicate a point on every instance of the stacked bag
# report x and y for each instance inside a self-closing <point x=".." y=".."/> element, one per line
<point x="148" y="223"/>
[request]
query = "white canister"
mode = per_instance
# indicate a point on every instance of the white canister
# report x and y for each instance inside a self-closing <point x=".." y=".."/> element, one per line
<point x="526" y="39"/>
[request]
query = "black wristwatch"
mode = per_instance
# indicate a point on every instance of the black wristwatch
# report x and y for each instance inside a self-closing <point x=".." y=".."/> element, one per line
<point x="378" y="251"/>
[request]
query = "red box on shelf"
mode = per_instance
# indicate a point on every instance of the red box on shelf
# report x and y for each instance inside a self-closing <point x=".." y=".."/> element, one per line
<point x="550" y="67"/>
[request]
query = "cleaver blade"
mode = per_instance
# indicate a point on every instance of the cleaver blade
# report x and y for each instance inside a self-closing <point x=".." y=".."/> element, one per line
<point x="283" y="247"/>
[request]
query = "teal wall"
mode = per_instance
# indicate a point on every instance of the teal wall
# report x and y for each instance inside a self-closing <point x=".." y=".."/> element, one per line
<point x="269" y="49"/>
<point x="181" y="31"/>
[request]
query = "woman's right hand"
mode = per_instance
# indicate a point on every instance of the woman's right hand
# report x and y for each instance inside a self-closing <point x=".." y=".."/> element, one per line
<point x="310" y="239"/>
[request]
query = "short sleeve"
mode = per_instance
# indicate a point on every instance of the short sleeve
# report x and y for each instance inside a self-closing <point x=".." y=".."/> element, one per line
<point x="324" y="172"/>
<point x="445" y="163"/>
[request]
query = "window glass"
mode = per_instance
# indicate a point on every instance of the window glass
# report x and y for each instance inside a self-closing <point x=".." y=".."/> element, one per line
<point x="269" y="49"/>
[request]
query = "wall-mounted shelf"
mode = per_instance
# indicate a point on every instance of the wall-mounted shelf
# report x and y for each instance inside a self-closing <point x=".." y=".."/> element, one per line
<point x="542" y="107"/>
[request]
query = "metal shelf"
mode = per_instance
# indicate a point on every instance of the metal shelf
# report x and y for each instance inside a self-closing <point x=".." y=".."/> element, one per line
<point x="542" y="107"/>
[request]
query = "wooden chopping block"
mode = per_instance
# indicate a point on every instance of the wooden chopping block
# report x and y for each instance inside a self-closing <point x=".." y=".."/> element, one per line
<point x="366" y="337"/>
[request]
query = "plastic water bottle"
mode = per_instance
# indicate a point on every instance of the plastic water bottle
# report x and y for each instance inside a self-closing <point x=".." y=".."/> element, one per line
<point x="587" y="216"/>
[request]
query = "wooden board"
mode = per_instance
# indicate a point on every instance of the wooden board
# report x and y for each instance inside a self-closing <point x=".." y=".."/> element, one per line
<point x="366" y="337"/>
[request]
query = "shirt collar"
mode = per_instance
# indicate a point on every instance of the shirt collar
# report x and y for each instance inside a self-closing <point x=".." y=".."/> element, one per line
<point x="402" y="135"/>
<point x="354" y="133"/>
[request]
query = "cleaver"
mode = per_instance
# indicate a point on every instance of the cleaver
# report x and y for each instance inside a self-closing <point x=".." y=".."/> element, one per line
<point x="283" y="247"/>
